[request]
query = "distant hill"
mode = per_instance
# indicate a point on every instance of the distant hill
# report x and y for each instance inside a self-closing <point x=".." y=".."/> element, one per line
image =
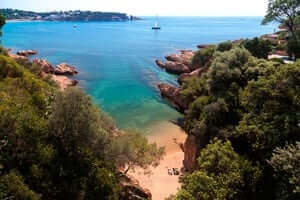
<point x="77" y="15"/>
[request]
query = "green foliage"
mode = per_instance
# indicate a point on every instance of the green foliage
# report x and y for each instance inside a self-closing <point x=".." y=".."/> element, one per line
<point x="12" y="186"/>
<point x="253" y="103"/>
<point x="285" y="12"/>
<point x="222" y="175"/>
<point x="59" y="145"/>
<point x="271" y="106"/>
<point x="286" y="162"/>
<point x="258" y="47"/>
<point x="203" y="57"/>
<point x="224" y="46"/>
<point x="2" y="23"/>
<point x="281" y="11"/>
<point x="293" y="47"/>
<point x="227" y="71"/>
<point x="132" y="150"/>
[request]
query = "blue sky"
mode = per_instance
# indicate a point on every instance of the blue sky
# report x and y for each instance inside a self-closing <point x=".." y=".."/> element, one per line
<point x="148" y="7"/>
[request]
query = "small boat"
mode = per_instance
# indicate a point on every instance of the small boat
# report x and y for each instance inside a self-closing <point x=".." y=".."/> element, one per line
<point x="156" y="27"/>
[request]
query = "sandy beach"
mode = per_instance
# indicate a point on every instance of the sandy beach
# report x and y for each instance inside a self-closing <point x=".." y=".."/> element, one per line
<point x="159" y="182"/>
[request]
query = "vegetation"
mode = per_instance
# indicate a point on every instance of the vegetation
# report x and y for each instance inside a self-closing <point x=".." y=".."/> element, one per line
<point x="258" y="47"/>
<point x="285" y="162"/>
<point x="222" y="174"/>
<point x="59" y="145"/>
<point x="224" y="46"/>
<point x="2" y="23"/>
<point x="76" y="15"/>
<point x="240" y="111"/>
<point x="203" y="57"/>
<point x="285" y="12"/>
<point x="132" y="150"/>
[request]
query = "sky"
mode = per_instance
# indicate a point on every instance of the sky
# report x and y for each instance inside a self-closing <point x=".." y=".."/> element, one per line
<point x="148" y="7"/>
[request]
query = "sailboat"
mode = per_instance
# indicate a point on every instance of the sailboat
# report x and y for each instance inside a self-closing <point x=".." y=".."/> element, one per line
<point x="156" y="27"/>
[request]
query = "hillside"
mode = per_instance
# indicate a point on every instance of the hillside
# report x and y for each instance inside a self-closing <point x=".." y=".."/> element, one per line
<point x="13" y="14"/>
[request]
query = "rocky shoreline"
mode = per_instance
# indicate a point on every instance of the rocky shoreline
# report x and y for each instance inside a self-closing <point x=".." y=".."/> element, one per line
<point x="60" y="74"/>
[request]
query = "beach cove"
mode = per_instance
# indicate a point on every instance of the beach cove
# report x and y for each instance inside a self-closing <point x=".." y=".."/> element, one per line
<point x="117" y="68"/>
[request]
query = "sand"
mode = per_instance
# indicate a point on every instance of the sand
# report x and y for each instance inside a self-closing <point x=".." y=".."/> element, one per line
<point x="159" y="182"/>
<point x="62" y="81"/>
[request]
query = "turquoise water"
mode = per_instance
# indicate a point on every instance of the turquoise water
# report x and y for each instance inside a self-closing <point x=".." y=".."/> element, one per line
<point x="116" y="59"/>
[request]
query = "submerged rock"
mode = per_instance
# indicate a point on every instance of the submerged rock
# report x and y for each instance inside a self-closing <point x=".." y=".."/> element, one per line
<point x="27" y="52"/>
<point x="65" y="69"/>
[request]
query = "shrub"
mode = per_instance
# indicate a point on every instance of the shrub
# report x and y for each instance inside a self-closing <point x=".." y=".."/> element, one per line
<point x="224" y="46"/>
<point x="203" y="57"/>
<point x="258" y="47"/>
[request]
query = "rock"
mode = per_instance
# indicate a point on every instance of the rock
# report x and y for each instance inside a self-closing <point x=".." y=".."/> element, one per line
<point x="64" y="81"/>
<point x="173" y="67"/>
<point x="45" y="65"/>
<point x="184" y="57"/>
<point x="27" y="53"/>
<point x="195" y="73"/>
<point x="172" y="94"/>
<point x="18" y="58"/>
<point x="131" y="189"/>
<point x="204" y="46"/>
<point x="65" y="69"/>
<point x="190" y="153"/>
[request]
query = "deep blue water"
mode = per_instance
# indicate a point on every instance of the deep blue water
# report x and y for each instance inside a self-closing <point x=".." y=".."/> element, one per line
<point x="116" y="59"/>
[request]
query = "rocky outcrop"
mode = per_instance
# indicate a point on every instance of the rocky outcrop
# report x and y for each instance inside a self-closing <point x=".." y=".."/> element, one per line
<point x="18" y="58"/>
<point x="173" y="67"/>
<point x="131" y="189"/>
<point x="65" y="69"/>
<point x="172" y="94"/>
<point x="195" y="73"/>
<point x="27" y="53"/>
<point x="184" y="57"/>
<point x="178" y="63"/>
<point x="45" y="65"/>
<point x="190" y="153"/>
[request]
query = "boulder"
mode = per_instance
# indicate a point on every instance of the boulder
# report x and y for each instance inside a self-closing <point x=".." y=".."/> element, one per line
<point x="131" y="189"/>
<point x="18" y="58"/>
<point x="195" y="73"/>
<point x="27" y="52"/>
<point x="184" y="57"/>
<point x="190" y="153"/>
<point x="45" y="65"/>
<point x="172" y="94"/>
<point x="173" y="67"/>
<point x="65" y="69"/>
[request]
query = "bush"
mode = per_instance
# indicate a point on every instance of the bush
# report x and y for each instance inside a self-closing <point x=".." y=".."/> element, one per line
<point x="224" y="46"/>
<point x="258" y="47"/>
<point x="203" y="57"/>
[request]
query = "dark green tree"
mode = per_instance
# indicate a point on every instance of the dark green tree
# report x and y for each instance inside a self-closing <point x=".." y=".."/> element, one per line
<point x="222" y="175"/>
<point x="2" y="23"/>
<point x="286" y="13"/>
<point x="285" y="162"/>
<point x="258" y="47"/>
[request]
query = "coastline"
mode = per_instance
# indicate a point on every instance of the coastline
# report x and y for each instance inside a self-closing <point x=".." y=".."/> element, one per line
<point x="158" y="181"/>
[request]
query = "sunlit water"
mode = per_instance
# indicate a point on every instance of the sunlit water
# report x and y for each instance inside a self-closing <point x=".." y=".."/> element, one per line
<point x="116" y="59"/>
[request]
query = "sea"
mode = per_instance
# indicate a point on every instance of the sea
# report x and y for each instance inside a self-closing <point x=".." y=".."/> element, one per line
<point x="116" y="60"/>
